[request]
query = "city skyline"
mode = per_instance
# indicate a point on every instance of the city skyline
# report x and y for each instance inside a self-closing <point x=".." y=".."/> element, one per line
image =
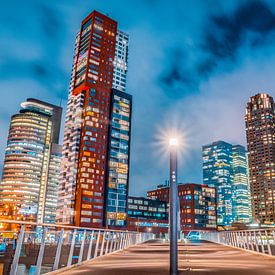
<point x="157" y="105"/>
<point x="132" y="131"/>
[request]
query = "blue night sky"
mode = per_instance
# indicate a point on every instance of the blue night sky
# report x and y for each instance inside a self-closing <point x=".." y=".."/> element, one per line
<point x="192" y="65"/>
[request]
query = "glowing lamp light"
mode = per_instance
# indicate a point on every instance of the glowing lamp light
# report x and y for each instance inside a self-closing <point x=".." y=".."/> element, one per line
<point x="173" y="142"/>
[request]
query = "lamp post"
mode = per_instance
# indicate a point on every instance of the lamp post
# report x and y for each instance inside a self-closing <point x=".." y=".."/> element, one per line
<point x="173" y="198"/>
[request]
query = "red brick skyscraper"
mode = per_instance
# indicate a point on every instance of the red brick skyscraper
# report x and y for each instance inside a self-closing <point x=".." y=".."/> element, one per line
<point x="100" y="52"/>
<point x="260" y="132"/>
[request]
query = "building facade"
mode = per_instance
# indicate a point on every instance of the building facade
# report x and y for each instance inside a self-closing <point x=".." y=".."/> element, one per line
<point x="97" y="123"/>
<point x="118" y="159"/>
<point x="218" y="173"/>
<point x="260" y="133"/>
<point x="225" y="168"/>
<point x="28" y="180"/>
<point x="197" y="205"/>
<point x="147" y="215"/>
<point x="241" y="200"/>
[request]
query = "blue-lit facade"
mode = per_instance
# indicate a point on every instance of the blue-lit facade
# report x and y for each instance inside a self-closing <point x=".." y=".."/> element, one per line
<point x="241" y="190"/>
<point x="218" y="173"/>
<point x="118" y="159"/>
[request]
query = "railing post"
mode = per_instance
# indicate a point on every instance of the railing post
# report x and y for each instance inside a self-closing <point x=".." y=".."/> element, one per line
<point x="268" y="243"/>
<point x="251" y="242"/>
<point x="41" y="252"/>
<point x="256" y="241"/>
<point x="116" y="246"/>
<point x="108" y="241"/>
<point x="112" y="242"/>
<point x="58" y="249"/>
<point x="240" y="240"/>
<point x="121" y="241"/>
<point x="126" y="240"/>
<point x="17" y="251"/>
<point x="70" y="258"/>
<point x="97" y="243"/>
<point x="102" y="243"/>
<point x="82" y="247"/>
<point x="234" y="239"/>
<point x="262" y="243"/>
<point x="90" y="246"/>
<point x="245" y="240"/>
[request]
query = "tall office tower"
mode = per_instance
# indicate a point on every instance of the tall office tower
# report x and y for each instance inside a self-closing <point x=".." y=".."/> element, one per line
<point x="260" y="133"/>
<point x="241" y="199"/>
<point x="218" y="173"/>
<point x="118" y="159"/>
<point x="120" y="61"/>
<point x="28" y="179"/>
<point x="95" y="163"/>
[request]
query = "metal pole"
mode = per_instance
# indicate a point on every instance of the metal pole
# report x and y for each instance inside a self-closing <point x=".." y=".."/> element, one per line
<point x="173" y="198"/>
<point x="17" y="251"/>
<point x="41" y="252"/>
<point x="90" y="246"/>
<point x="58" y="250"/>
<point x="70" y="258"/>
<point x="82" y="247"/>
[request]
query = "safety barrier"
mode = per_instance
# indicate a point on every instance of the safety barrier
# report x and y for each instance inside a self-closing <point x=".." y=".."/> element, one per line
<point x="258" y="240"/>
<point x="38" y="248"/>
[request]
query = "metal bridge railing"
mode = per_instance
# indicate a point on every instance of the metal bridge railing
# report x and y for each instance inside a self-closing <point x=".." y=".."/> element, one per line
<point x="258" y="240"/>
<point x="38" y="248"/>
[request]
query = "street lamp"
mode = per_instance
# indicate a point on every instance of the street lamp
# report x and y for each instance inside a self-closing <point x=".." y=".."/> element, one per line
<point x="173" y="198"/>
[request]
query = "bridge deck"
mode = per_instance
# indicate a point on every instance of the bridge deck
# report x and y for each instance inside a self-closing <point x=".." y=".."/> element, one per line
<point x="196" y="257"/>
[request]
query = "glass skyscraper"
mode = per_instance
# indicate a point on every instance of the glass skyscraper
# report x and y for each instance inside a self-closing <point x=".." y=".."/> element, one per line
<point x="225" y="168"/>
<point x="118" y="158"/>
<point x="241" y="188"/>
<point x="29" y="186"/>
<point x="95" y="155"/>
<point x="218" y="173"/>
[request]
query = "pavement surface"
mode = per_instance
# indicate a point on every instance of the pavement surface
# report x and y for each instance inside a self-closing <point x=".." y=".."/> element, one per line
<point x="194" y="258"/>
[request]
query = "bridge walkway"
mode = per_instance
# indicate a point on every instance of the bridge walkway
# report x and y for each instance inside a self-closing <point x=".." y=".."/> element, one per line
<point x="197" y="257"/>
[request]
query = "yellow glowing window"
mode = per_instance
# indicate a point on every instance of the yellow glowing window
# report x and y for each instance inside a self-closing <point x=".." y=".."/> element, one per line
<point x="86" y="206"/>
<point x="89" y="193"/>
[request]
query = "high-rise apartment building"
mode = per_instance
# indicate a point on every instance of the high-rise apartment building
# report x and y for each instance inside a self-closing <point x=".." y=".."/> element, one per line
<point x="225" y="168"/>
<point x="95" y="164"/>
<point x="260" y="133"/>
<point x="241" y="200"/>
<point x="29" y="182"/>
<point x="197" y="205"/>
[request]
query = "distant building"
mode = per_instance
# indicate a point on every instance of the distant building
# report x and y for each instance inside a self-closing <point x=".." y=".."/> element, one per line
<point x="53" y="176"/>
<point x="260" y="133"/>
<point x="218" y="173"/>
<point x="197" y="205"/>
<point x="95" y="156"/>
<point x="147" y="215"/>
<point x="28" y="190"/>
<point x="241" y="200"/>
<point x="225" y="168"/>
